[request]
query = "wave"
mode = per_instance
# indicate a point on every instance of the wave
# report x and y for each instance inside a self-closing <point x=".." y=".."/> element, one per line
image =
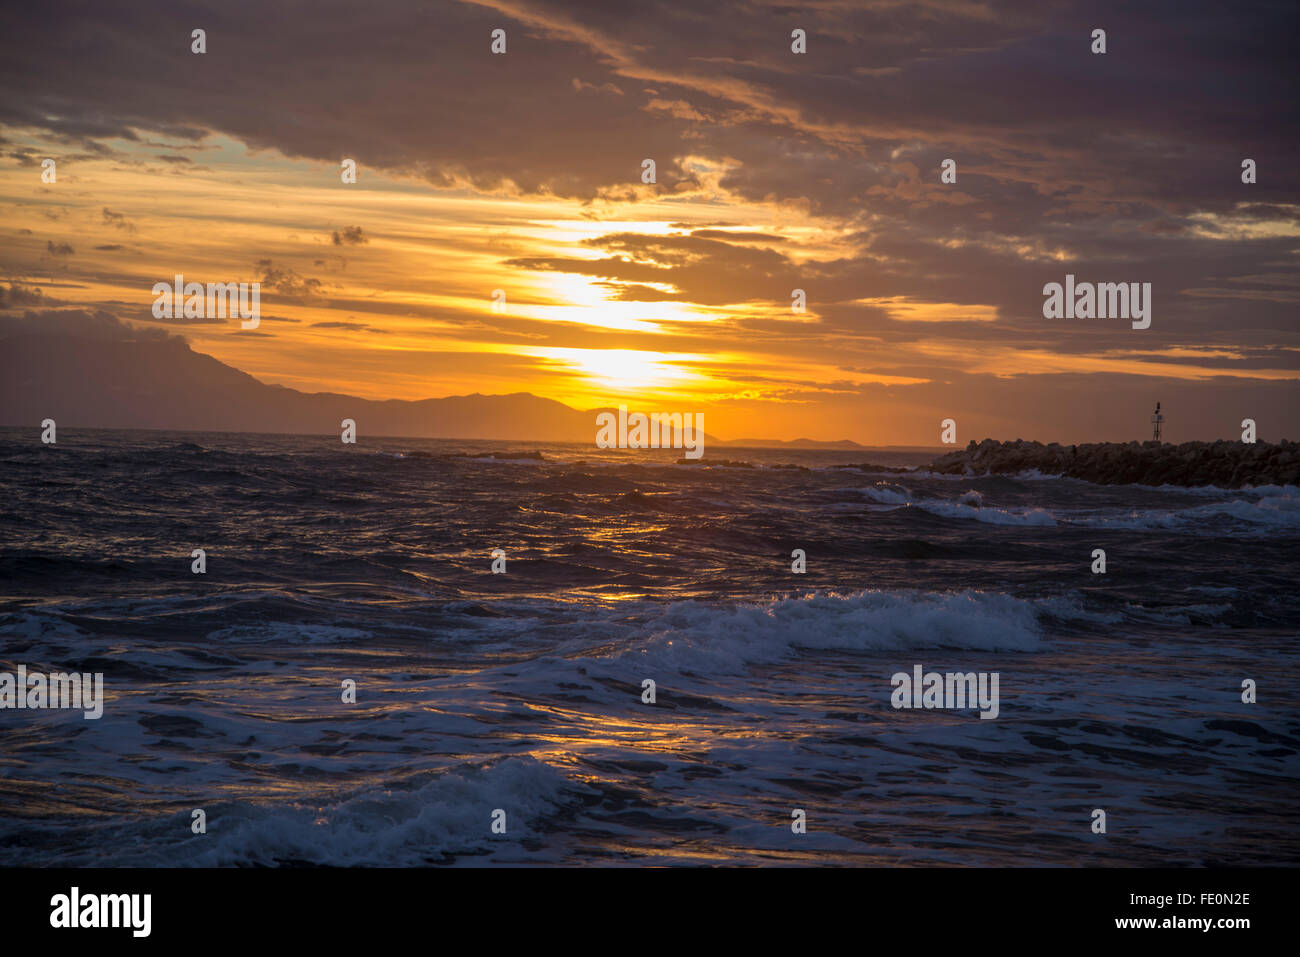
<point x="450" y="814"/>
<point x="512" y="457"/>
<point x="1027" y="475"/>
<point x="968" y="506"/>
<point x="447" y="815"/>
<point x="703" y="638"/>
<point x="1277" y="507"/>
<point x="1281" y="511"/>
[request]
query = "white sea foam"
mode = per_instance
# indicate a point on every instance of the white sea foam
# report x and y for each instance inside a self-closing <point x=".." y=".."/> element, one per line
<point x="1270" y="511"/>
<point x="887" y="494"/>
<point x="990" y="516"/>
<point x="450" y="813"/>
<point x="690" y="636"/>
<point x="969" y="506"/>
<point x="1275" y="507"/>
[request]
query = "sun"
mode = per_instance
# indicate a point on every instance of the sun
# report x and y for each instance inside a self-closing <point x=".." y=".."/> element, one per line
<point x="625" y="370"/>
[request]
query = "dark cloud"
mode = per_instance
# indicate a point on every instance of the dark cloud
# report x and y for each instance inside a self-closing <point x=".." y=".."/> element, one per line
<point x="286" y="281"/>
<point x="17" y="294"/>
<point x="351" y="326"/>
<point x="58" y="249"/>
<point x="696" y="269"/>
<point x="349" y="236"/>
<point x="1121" y="167"/>
<point x="737" y="236"/>
<point x="856" y="126"/>
<point x="118" y="220"/>
<point x="964" y="78"/>
<point x="80" y="323"/>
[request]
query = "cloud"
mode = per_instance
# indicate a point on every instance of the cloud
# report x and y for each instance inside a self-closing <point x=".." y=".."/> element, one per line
<point x="79" y="323"/>
<point x="878" y="75"/>
<point x="736" y="236"/>
<point x="582" y="87"/>
<point x="777" y="171"/>
<point x="351" y="326"/>
<point x="349" y="236"/>
<point x="285" y="281"/>
<point x="58" y="249"/>
<point x="17" y="294"/>
<point x="118" y="220"/>
<point x="692" y="268"/>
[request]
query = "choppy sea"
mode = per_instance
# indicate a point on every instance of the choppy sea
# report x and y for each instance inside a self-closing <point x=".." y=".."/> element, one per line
<point x="522" y="692"/>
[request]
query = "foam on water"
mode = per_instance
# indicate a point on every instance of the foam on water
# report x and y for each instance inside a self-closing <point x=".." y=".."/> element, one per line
<point x="968" y="506"/>
<point x="1274" y="506"/>
<point x="432" y="818"/>
<point x="1280" y="510"/>
<point x="523" y="691"/>
<point x="689" y="636"/>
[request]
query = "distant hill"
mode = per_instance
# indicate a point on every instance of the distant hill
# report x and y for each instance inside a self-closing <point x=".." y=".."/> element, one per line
<point x="115" y="381"/>
<point x="164" y="384"/>
<point x="791" y="444"/>
<point x="106" y="381"/>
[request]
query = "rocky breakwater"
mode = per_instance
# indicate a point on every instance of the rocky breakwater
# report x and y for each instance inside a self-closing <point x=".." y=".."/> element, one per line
<point x="1225" y="464"/>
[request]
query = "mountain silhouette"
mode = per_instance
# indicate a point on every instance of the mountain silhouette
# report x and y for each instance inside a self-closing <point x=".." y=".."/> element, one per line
<point x="164" y="384"/>
<point x="112" y="380"/>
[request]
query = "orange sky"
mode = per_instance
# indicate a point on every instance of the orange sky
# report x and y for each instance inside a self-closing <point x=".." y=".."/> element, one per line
<point x="420" y="284"/>
<point x="923" y="299"/>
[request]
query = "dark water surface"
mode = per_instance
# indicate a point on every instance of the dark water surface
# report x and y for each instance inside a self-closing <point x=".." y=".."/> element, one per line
<point x="522" y="691"/>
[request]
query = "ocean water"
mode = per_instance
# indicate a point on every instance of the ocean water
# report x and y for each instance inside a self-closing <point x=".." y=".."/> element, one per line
<point x="522" y="691"/>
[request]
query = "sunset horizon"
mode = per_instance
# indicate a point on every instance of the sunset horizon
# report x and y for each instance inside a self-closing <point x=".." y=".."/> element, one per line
<point x="850" y="436"/>
<point x="788" y="266"/>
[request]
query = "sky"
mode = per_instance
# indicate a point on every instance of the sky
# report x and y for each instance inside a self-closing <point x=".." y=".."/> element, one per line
<point x="523" y="172"/>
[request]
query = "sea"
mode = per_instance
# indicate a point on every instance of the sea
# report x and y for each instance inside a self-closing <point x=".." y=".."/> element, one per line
<point x="411" y="652"/>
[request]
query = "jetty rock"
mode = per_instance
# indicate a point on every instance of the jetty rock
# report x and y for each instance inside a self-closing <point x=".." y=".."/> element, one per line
<point x="1223" y="463"/>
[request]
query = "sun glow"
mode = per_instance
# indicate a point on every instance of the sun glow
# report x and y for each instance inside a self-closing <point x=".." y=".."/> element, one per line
<point x="626" y="370"/>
